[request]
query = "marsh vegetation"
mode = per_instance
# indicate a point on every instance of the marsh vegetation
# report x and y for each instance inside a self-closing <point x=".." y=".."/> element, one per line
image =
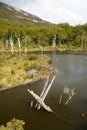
<point x="17" y="70"/>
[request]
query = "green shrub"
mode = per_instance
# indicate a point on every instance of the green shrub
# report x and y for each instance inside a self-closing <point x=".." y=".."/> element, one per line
<point x="27" y="67"/>
<point x="14" y="124"/>
<point x="30" y="67"/>
<point x="49" y="61"/>
<point x="33" y="57"/>
<point x="33" y="66"/>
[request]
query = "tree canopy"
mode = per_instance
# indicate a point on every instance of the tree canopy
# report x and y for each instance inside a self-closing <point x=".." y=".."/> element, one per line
<point x="65" y="35"/>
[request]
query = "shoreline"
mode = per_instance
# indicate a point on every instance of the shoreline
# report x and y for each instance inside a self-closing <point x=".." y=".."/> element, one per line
<point x="44" y="70"/>
<point x="48" y="67"/>
<point x="26" y="82"/>
<point x="48" y="48"/>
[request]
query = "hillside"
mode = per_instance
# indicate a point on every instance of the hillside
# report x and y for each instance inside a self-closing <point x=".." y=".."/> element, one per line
<point x="12" y="14"/>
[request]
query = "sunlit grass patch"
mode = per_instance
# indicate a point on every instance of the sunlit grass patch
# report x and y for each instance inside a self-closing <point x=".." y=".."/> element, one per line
<point x="15" y="69"/>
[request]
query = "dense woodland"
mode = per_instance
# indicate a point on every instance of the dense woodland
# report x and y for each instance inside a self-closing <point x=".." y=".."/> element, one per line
<point x="25" y="36"/>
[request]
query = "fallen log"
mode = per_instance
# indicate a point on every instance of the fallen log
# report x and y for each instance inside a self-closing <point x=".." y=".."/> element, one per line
<point x="45" y="92"/>
<point x="40" y="101"/>
<point x="38" y="106"/>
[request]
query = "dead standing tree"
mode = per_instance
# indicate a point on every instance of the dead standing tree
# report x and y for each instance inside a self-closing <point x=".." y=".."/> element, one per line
<point x="11" y="44"/>
<point x="6" y="42"/>
<point x="41" y="48"/>
<point x="25" y="47"/>
<point x="82" y="41"/>
<point x="19" y="44"/>
<point x="54" y="42"/>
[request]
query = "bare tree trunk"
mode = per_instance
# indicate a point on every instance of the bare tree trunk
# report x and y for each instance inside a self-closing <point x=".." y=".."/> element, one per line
<point x="82" y="43"/>
<point x="47" y="90"/>
<point x="11" y="44"/>
<point x="6" y="43"/>
<point x="70" y="92"/>
<point x="25" y="49"/>
<point x="44" y="87"/>
<point x="60" y="99"/>
<point x="19" y="44"/>
<point x="41" y="48"/>
<point x="40" y="101"/>
<point x="37" y="104"/>
<point x="54" y="42"/>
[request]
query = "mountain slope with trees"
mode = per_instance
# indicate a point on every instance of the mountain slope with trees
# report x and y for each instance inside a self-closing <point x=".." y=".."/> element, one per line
<point x="23" y="35"/>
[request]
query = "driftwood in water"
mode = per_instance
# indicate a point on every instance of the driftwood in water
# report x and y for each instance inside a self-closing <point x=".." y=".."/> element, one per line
<point x="38" y="106"/>
<point x="31" y="103"/>
<point x="47" y="90"/>
<point x="45" y="93"/>
<point x="69" y="92"/>
<point x="44" y="87"/>
<point x="60" y="99"/>
<point x="40" y="99"/>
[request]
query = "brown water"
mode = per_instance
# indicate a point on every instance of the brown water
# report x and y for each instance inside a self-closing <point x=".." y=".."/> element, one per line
<point x="72" y="71"/>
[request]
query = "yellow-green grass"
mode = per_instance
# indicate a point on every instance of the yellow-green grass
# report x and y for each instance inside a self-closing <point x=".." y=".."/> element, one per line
<point x="15" y="69"/>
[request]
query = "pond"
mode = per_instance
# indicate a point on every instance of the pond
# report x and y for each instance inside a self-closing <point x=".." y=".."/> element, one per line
<point x="71" y="72"/>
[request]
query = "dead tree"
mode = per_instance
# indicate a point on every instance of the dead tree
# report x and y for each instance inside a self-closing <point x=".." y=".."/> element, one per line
<point x="68" y="91"/>
<point x="54" y="42"/>
<point x="25" y="48"/>
<point x="46" y="83"/>
<point x="82" y="42"/>
<point x="19" y="44"/>
<point x="41" y="48"/>
<point x="44" y="95"/>
<point x="44" y="88"/>
<point x="6" y="43"/>
<point x="11" y="44"/>
<point x="40" y="99"/>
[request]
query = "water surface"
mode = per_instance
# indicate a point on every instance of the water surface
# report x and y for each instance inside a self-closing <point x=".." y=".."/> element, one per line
<point x="72" y="72"/>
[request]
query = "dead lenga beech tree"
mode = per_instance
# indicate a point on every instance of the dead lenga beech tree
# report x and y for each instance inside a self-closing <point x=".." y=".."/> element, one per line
<point x="40" y="99"/>
<point x="68" y="91"/>
<point x="11" y="44"/>
<point x="19" y="43"/>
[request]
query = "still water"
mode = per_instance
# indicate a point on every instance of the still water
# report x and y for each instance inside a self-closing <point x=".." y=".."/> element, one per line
<point x="72" y="72"/>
